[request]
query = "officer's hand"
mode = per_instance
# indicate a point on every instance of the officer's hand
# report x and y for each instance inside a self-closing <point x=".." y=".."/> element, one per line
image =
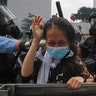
<point x="25" y="45"/>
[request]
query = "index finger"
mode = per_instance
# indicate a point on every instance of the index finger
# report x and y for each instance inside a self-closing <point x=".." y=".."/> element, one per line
<point x="38" y="19"/>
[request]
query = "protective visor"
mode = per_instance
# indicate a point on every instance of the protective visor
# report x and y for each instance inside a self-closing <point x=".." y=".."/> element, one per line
<point x="5" y="15"/>
<point x="93" y="21"/>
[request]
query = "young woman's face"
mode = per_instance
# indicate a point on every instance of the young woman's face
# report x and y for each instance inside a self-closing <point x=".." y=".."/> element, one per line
<point x="56" y="38"/>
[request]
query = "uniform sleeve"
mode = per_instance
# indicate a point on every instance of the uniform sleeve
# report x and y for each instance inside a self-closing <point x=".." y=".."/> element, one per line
<point x="7" y="45"/>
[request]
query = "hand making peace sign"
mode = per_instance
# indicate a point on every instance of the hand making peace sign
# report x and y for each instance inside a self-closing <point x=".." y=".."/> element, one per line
<point x="37" y="27"/>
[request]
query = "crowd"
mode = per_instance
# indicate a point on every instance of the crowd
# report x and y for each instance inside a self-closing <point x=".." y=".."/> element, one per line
<point x="58" y="59"/>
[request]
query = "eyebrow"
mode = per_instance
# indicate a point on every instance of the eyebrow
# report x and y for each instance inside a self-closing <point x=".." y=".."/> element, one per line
<point x="58" y="41"/>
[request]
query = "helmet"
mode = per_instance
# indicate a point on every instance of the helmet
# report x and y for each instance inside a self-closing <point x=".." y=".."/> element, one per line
<point x="92" y="15"/>
<point x="7" y="25"/>
<point x="5" y="15"/>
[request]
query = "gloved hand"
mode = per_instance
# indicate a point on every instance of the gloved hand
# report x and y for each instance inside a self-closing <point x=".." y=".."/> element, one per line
<point x="25" y="45"/>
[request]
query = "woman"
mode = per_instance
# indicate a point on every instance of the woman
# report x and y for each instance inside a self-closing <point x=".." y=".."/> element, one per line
<point x="57" y="60"/>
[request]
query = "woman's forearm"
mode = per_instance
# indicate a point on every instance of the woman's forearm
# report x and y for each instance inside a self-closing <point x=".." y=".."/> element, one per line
<point x="28" y="63"/>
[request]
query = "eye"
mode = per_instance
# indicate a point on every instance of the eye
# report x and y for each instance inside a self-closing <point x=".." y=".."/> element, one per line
<point x="51" y="43"/>
<point x="62" y="43"/>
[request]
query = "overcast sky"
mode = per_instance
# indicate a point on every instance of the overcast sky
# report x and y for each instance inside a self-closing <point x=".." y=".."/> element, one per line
<point x="70" y="6"/>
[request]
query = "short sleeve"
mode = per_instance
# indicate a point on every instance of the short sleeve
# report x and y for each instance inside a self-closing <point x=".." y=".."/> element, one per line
<point x="7" y="45"/>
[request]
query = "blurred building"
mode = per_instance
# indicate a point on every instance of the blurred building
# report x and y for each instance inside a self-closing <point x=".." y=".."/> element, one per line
<point x="94" y="3"/>
<point x="21" y="9"/>
<point x="84" y="27"/>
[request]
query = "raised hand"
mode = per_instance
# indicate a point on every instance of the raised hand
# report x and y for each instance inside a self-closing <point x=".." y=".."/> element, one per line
<point x="37" y="27"/>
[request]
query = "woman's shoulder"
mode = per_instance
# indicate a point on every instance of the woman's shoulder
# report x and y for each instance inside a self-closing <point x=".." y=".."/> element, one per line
<point x="78" y="60"/>
<point x="74" y="60"/>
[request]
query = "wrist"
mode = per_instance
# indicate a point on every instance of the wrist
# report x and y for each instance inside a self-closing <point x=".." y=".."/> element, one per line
<point x="84" y="79"/>
<point x="36" y="40"/>
<point x="16" y="47"/>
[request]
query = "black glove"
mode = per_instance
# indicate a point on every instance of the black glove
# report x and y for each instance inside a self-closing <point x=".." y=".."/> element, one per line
<point x="24" y="45"/>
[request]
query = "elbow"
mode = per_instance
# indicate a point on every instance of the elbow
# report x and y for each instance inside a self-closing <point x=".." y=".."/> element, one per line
<point x="25" y="73"/>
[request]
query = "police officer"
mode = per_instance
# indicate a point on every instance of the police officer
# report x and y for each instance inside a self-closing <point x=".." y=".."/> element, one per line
<point x="8" y="67"/>
<point x="90" y="43"/>
<point x="9" y="46"/>
<point x="88" y="48"/>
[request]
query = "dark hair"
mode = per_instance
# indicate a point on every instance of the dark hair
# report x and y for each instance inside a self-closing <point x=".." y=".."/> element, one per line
<point x="65" y="26"/>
